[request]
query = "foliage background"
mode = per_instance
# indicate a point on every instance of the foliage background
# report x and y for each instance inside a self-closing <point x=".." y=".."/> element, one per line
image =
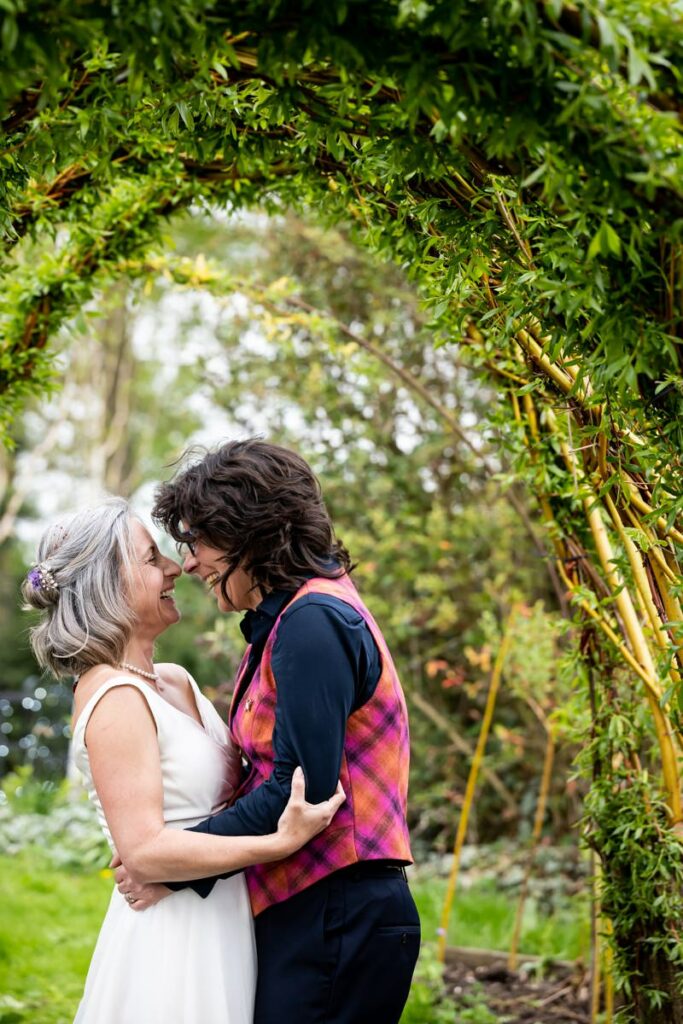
<point x="521" y="162"/>
<point x="440" y="553"/>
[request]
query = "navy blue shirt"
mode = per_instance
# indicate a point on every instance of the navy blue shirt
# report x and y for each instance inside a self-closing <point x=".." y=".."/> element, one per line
<point x="326" y="665"/>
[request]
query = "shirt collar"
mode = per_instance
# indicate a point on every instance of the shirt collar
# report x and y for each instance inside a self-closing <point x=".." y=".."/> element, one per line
<point x="265" y="614"/>
<point x="259" y="621"/>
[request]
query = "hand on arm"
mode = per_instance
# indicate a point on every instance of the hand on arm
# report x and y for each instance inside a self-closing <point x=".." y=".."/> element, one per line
<point x="124" y="758"/>
<point x="299" y="822"/>
<point x="138" y="896"/>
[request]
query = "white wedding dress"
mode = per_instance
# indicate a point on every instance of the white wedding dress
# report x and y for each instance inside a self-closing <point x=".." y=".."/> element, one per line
<point x="186" y="960"/>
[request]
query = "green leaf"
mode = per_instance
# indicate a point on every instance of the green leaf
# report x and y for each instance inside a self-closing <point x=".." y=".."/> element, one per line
<point x="535" y="176"/>
<point x="639" y="68"/>
<point x="608" y="37"/>
<point x="605" y="242"/>
<point x="186" y="114"/>
<point x="9" y="33"/>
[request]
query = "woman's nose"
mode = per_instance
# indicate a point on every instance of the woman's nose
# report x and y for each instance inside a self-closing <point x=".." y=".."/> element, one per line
<point x="190" y="563"/>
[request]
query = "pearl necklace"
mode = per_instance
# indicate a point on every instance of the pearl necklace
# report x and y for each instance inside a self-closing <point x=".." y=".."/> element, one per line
<point x="140" y="671"/>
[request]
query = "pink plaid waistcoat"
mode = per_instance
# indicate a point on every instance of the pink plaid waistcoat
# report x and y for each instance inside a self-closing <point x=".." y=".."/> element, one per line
<point x="371" y="824"/>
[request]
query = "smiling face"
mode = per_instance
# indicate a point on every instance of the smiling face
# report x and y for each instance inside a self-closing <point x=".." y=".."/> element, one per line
<point x="209" y="564"/>
<point x="151" y="583"/>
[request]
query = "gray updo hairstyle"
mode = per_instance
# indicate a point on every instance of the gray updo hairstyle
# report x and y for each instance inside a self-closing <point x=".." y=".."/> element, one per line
<point x="86" y="618"/>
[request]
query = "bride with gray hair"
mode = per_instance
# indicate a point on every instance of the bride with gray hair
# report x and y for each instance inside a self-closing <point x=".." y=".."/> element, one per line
<point x="156" y="759"/>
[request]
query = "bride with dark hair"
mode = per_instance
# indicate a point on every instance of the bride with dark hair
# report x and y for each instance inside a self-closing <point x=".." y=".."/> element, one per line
<point x="156" y="758"/>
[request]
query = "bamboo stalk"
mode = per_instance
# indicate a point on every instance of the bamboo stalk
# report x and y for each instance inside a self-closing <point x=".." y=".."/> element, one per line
<point x="602" y="456"/>
<point x="654" y="544"/>
<point x="539" y="817"/>
<point x="641" y="650"/>
<point x="663" y="576"/>
<point x="509" y="219"/>
<point x="610" y="633"/>
<point x="649" y="609"/>
<point x="595" y="943"/>
<point x="445" y="725"/>
<point x="633" y="629"/>
<point x="647" y="510"/>
<point x="673" y="611"/>
<point x="546" y="509"/>
<point x="494" y="686"/>
<point x="565" y="375"/>
<point x="639" y="575"/>
<point x="556" y="373"/>
<point x="608" y="974"/>
<point x="634" y="633"/>
<point x="516" y="410"/>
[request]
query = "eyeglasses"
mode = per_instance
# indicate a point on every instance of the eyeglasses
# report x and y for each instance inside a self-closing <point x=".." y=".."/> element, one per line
<point x="189" y="541"/>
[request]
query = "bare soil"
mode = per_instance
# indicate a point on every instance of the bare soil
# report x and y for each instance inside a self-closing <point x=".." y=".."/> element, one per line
<point x="539" y="992"/>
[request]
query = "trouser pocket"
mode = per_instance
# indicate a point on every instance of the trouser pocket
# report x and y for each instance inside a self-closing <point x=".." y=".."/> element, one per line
<point x="378" y="954"/>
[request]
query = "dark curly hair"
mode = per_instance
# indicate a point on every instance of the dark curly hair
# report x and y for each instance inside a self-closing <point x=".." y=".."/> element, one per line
<point x="260" y="504"/>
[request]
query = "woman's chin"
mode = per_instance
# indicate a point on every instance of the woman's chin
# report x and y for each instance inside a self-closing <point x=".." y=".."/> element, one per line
<point x="171" y="614"/>
<point x="223" y="605"/>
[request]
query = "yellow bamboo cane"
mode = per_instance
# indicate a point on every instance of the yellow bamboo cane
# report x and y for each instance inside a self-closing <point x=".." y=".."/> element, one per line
<point x="556" y="373"/>
<point x="636" y="560"/>
<point x="610" y="633"/>
<point x="472" y="782"/>
<point x="546" y="509"/>
<point x="535" y="837"/>
<point x="641" y="650"/>
<point x="565" y="376"/>
<point x="639" y="575"/>
<point x="654" y="545"/>
<point x="608" y="975"/>
<point x="602" y="456"/>
<point x="674" y="614"/>
<point x="664" y="577"/>
<point x="647" y="510"/>
<point x="595" y="943"/>
<point x="632" y="629"/>
<point x="660" y="567"/>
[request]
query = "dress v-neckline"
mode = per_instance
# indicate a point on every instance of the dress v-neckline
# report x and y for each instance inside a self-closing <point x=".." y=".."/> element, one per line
<point x="140" y="683"/>
<point x="200" y="724"/>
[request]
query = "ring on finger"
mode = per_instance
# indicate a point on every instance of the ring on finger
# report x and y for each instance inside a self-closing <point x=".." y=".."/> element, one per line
<point x="130" y="899"/>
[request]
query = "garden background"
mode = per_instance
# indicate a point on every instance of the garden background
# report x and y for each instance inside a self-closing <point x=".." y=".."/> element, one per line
<point x="155" y="368"/>
<point x="436" y="248"/>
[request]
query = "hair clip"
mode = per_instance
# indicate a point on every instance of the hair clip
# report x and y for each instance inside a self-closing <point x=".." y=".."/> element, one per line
<point x="42" y="578"/>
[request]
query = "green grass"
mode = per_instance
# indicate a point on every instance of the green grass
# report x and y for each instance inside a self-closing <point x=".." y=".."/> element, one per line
<point x="48" y="926"/>
<point x="50" y="919"/>
<point x="483" y="916"/>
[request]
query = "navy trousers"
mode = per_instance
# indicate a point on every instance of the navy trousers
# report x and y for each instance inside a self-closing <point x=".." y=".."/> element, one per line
<point x="340" y="952"/>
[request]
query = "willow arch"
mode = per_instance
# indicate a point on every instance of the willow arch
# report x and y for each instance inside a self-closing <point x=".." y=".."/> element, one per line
<point x="522" y="158"/>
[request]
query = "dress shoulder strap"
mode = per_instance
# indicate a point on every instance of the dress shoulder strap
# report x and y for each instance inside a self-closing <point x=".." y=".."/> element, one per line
<point x="111" y="684"/>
